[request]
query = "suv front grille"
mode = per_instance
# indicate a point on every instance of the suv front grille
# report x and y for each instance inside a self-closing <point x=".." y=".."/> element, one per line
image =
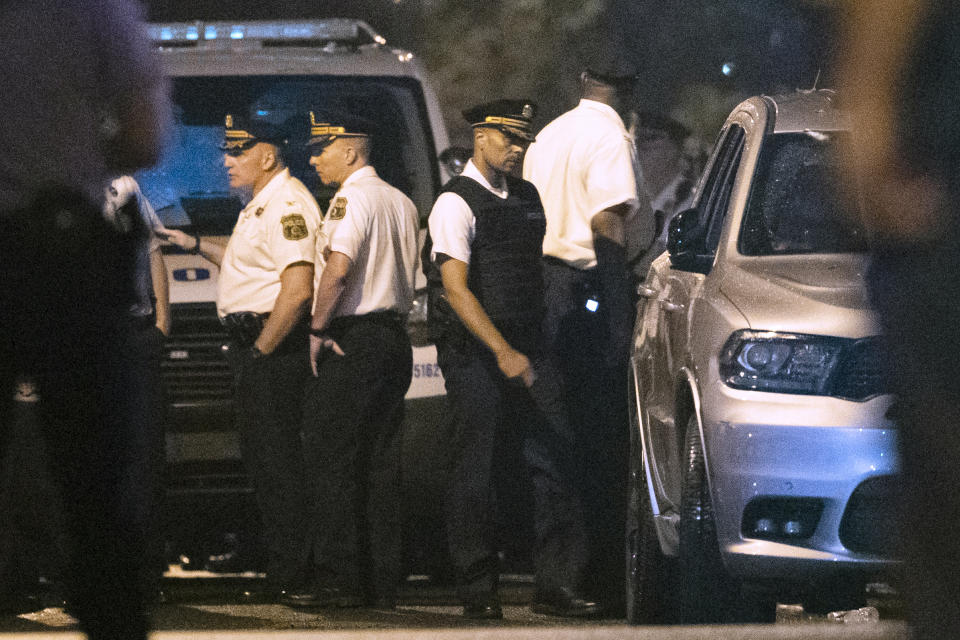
<point x="861" y="371"/>
<point x="195" y="369"/>
<point x="869" y="524"/>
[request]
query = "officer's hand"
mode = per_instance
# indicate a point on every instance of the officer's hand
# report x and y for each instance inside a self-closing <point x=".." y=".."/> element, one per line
<point x="177" y="237"/>
<point x="516" y="367"/>
<point x="318" y="346"/>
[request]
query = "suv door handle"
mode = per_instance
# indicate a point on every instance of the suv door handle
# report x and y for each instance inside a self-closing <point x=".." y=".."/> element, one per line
<point x="646" y="292"/>
<point x="671" y="306"/>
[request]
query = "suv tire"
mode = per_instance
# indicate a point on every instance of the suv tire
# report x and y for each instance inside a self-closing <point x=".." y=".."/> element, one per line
<point x="650" y="590"/>
<point x="707" y="594"/>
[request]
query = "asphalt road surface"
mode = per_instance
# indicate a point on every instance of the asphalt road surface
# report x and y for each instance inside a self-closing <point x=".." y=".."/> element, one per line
<point x="208" y="607"/>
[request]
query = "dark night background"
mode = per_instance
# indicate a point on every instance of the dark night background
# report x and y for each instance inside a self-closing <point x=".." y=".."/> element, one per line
<point x="477" y="51"/>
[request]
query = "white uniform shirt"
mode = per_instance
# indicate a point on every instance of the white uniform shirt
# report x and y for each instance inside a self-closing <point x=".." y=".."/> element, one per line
<point x="376" y="226"/>
<point x="581" y="163"/>
<point x="452" y="223"/>
<point x="276" y="229"/>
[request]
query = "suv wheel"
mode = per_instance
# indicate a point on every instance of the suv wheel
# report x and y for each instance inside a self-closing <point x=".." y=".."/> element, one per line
<point x="707" y="594"/>
<point x="648" y="590"/>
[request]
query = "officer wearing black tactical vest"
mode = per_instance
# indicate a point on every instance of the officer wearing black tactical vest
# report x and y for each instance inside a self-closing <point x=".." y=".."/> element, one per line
<point x="486" y="308"/>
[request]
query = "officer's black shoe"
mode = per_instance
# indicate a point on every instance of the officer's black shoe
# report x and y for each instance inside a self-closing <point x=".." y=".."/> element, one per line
<point x="322" y="597"/>
<point x="564" y="602"/>
<point x="483" y="609"/>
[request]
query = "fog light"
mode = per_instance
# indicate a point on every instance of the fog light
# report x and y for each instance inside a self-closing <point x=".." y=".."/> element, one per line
<point x="765" y="525"/>
<point x="793" y="528"/>
<point x="781" y="518"/>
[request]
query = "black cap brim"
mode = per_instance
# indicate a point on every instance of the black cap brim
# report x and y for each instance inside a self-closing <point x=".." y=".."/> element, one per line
<point x="519" y="133"/>
<point x="320" y="141"/>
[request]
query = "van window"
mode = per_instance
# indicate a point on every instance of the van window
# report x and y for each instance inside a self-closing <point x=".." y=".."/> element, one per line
<point x="795" y="203"/>
<point x="189" y="187"/>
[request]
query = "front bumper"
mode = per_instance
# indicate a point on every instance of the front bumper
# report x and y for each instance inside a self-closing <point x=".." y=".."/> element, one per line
<point x="795" y="449"/>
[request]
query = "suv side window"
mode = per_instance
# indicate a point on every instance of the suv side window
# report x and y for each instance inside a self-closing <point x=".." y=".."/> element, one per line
<point x="713" y="206"/>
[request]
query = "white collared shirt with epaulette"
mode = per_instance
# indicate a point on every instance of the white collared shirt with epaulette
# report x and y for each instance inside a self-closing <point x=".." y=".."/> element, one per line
<point x="276" y="229"/>
<point x="376" y="226"/>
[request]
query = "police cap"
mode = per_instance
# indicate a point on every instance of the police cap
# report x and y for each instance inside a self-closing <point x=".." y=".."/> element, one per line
<point x="512" y="116"/>
<point x="241" y="132"/>
<point x="325" y="128"/>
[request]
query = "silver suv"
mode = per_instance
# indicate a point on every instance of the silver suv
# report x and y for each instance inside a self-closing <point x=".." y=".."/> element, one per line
<point x="763" y="459"/>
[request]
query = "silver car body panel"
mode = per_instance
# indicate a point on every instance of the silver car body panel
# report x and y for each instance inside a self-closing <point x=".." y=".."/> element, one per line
<point x="757" y="443"/>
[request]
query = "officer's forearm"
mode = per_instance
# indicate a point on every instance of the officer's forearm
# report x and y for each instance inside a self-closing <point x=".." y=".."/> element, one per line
<point x="615" y="295"/>
<point x="467" y="307"/>
<point x="293" y="303"/>
<point x="609" y="223"/>
<point x="332" y="283"/>
<point x="161" y="291"/>
<point x="212" y="251"/>
<point x="610" y="249"/>
<point x="476" y="320"/>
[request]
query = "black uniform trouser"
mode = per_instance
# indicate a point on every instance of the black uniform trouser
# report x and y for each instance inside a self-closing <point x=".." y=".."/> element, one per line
<point x="268" y="397"/>
<point x="490" y="411"/>
<point x="596" y="394"/>
<point x="65" y="281"/>
<point x="146" y="343"/>
<point x="353" y="417"/>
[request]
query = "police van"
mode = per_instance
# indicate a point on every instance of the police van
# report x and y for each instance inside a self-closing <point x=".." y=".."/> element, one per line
<point x="277" y="70"/>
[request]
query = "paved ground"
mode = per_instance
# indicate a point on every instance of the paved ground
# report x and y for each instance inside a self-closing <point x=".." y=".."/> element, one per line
<point x="821" y="631"/>
<point x="225" y="608"/>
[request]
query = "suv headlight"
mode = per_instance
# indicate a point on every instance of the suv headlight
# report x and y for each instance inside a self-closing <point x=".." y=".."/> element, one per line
<point x="803" y="364"/>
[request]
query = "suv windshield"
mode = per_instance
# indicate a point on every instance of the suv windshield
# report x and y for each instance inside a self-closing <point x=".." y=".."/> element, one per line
<point x="795" y="204"/>
<point x="189" y="187"/>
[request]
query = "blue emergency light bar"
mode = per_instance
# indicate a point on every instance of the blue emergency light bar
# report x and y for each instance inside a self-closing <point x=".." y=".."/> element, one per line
<point x="343" y="30"/>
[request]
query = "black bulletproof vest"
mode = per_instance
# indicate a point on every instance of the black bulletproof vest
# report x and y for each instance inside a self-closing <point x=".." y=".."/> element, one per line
<point x="505" y="273"/>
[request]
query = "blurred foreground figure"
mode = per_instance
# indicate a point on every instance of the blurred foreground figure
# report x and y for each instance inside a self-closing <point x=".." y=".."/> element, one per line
<point x="83" y="100"/>
<point x="902" y="71"/>
<point x="148" y="318"/>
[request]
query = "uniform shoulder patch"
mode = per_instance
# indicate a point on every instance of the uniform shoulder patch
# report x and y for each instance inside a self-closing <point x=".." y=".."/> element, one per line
<point x="294" y="226"/>
<point x="339" y="209"/>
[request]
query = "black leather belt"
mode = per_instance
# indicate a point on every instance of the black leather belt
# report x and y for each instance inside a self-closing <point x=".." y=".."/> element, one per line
<point x="388" y="317"/>
<point x="559" y="262"/>
<point x="244" y="327"/>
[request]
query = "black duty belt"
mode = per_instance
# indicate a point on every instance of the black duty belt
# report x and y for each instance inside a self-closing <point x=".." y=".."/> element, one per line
<point x="389" y="317"/>
<point x="244" y="327"/>
<point x="583" y="284"/>
<point x="558" y="262"/>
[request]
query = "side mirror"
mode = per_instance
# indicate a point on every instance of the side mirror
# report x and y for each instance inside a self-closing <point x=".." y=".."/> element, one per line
<point x="685" y="242"/>
<point x="455" y="159"/>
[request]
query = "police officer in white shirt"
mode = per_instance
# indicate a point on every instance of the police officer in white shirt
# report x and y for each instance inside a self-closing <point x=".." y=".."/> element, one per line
<point x="263" y="299"/>
<point x="583" y="166"/>
<point x="485" y="315"/>
<point x="362" y="362"/>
